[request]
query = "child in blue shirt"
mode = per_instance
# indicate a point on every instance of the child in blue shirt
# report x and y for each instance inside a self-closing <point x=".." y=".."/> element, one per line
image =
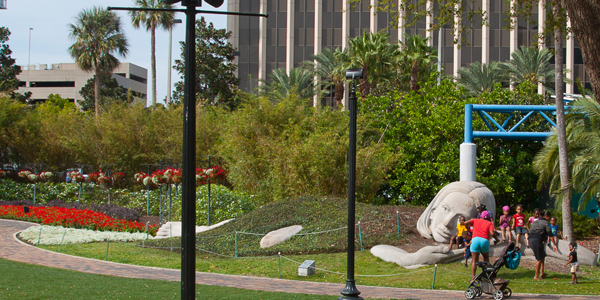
<point x="553" y="238"/>
<point x="467" y="240"/>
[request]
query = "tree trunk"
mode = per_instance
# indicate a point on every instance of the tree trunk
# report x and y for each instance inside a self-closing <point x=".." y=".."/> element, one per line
<point x="567" y="211"/>
<point x="585" y="21"/>
<point x="97" y="92"/>
<point x="414" y="74"/>
<point x="153" y="63"/>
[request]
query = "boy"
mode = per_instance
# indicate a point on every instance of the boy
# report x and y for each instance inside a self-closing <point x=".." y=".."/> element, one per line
<point x="458" y="238"/>
<point x="518" y="224"/>
<point x="555" y="233"/>
<point x="573" y="261"/>
<point x="467" y="239"/>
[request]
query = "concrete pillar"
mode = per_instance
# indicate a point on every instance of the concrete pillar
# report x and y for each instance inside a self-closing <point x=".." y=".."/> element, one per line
<point x="262" y="43"/>
<point x="318" y="39"/>
<point x="468" y="162"/>
<point x="457" y="35"/>
<point x="485" y="34"/>
<point x="429" y="23"/>
<point x="289" y="53"/>
<point x="373" y="19"/>
<point x="234" y="24"/>
<point x="541" y="41"/>
<point x="514" y="33"/>
<point x="401" y="22"/>
<point x="570" y="61"/>
<point x="345" y="26"/>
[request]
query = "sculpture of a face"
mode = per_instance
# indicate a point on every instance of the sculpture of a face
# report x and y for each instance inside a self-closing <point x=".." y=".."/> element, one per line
<point x="444" y="217"/>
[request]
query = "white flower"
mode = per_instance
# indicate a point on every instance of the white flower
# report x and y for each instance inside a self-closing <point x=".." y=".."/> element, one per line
<point x="53" y="235"/>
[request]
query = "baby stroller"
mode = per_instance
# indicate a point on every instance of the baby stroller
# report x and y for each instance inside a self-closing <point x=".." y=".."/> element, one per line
<point x="488" y="282"/>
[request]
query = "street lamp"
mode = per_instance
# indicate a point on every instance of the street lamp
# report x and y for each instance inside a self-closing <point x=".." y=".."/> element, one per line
<point x="175" y="21"/>
<point x="350" y="291"/>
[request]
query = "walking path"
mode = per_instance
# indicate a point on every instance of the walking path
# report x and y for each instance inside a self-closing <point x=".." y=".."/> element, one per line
<point x="13" y="249"/>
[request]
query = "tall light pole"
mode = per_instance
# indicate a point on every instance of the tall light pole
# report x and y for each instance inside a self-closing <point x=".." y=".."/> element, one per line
<point x="175" y="21"/>
<point x="350" y="291"/>
<point x="28" y="61"/>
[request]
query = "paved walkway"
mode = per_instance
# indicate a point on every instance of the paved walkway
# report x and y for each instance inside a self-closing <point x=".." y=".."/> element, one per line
<point x="11" y="248"/>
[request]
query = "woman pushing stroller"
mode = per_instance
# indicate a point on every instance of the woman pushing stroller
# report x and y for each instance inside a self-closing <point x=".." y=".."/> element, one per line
<point x="483" y="230"/>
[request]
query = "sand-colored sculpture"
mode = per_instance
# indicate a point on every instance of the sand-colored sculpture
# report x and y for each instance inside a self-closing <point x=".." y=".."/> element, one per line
<point x="172" y="229"/>
<point x="461" y="198"/>
<point x="279" y="236"/>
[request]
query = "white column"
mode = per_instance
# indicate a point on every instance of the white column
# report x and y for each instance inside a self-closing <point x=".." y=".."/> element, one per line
<point x="318" y="40"/>
<point x="468" y="162"/>
<point x="457" y="35"/>
<point x="570" y="61"/>
<point x="541" y="40"/>
<point x="373" y="19"/>
<point x="289" y="53"/>
<point x="514" y="33"/>
<point x="401" y="22"/>
<point x="262" y="43"/>
<point x="485" y="34"/>
<point x="233" y="24"/>
<point x="429" y="23"/>
<point x="345" y="25"/>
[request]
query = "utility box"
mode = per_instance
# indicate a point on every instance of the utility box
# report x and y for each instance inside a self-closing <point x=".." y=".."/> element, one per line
<point x="307" y="268"/>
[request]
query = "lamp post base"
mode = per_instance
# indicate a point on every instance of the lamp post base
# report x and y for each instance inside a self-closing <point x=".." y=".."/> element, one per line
<point x="350" y="291"/>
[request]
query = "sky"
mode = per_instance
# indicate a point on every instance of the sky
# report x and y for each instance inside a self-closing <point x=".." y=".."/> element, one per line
<point x="50" y="35"/>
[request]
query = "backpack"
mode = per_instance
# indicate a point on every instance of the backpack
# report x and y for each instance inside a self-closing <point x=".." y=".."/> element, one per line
<point x="513" y="259"/>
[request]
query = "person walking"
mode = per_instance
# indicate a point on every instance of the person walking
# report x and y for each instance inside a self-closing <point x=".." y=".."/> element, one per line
<point x="483" y="230"/>
<point x="538" y="237"/>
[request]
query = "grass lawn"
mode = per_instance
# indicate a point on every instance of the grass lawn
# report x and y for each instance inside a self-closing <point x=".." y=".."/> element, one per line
<point x="453" y="276"/>
<point x="26" y="281"/>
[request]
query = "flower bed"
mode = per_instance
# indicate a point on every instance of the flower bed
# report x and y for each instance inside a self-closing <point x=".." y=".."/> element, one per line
<point x="57" y="235"/>
<point x="72" y="217"/>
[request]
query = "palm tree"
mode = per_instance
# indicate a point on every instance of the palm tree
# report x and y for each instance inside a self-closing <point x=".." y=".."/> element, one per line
<point x="530" y="64"/>
<point x="479" y="78"/>
<point x="375" y="54"/>
<point x="328" y="65"/>
<point x="151" y="20"/>
<point x="583" y="148"/>
<point x="98" y="34"/>
<point x="416" y="55"/>
<point x="299" y="81"/>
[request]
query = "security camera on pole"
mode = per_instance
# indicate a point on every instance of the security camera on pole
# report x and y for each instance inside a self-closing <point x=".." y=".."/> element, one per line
<point x="350" y="291"/>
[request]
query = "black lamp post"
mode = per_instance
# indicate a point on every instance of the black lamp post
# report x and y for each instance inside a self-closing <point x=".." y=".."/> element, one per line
<point x="350" y="291"/>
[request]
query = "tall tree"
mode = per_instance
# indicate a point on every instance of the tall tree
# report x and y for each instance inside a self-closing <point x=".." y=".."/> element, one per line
<point x="328" y="66"/>
<point x="8" y="70"/>
<point x="530" y="64"/>
<point x="215" y="78"/>
<point x="479" y="78"/>
<point x="98" y="34"/>
<point x="375" y="55"/>
<point x="151" y="20"/>
<point x="110" y="92"/>
<point x="417" y="58"/>
<point x="299" y="81"/>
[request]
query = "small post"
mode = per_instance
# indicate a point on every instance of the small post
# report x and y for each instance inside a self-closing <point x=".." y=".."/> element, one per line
<point x="107" y="244"/>
<point x="34" y="192"/>
<point x="79" y="195"/>
<point x="144" y="241"/>
<point x="40" y="235"/>
<point x="108" y="195"/>
<point x="434" y="271"/>
<point x="236" y="243"/>
<point x="279" y="258"/>
<point x="398" y="223"/>
<point x="160" y="203"/>
<point x="147" y="200"/>
<point x="61" y="241"/>
<point x="170" y="200"/>
<point x="171" y="236"/>
<point x="360" y="237"/>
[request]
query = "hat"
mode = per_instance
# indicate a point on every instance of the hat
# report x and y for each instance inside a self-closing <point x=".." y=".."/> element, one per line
<point x="485" y="214"/>
<point x="506" y="208"/>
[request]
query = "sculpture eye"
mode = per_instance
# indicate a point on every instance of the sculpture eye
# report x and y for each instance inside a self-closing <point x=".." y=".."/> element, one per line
<point x="446" y="208"/>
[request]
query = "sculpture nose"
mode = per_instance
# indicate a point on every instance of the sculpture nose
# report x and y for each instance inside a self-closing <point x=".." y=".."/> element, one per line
<point x="448" y="220"/>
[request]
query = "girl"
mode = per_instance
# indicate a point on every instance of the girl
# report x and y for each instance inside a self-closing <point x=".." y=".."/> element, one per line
<point x="505" y="224"/>
<point x="518" y="224"/>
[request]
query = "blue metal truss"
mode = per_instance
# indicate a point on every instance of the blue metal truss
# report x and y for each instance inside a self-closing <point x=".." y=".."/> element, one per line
<point x="501" y="130"/>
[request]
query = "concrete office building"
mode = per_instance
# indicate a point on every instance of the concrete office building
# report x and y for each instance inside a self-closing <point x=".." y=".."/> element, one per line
<point x="67" y="79"/>
<point x="296" y="29"/>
